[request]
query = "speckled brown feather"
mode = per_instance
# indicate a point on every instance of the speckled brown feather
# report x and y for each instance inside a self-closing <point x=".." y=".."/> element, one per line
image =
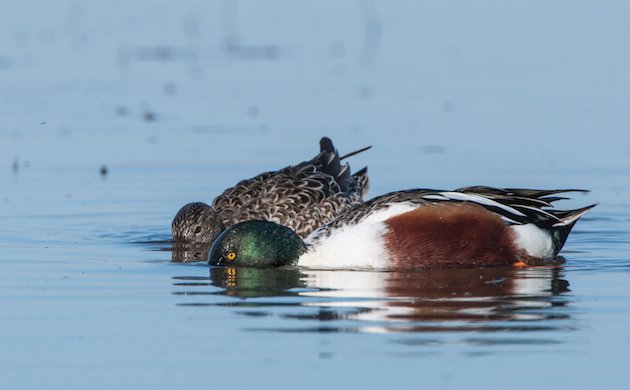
<point x="302" y="197"/>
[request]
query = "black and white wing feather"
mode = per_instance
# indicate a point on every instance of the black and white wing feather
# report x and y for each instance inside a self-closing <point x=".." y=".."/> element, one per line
<point x="515" y="206"/>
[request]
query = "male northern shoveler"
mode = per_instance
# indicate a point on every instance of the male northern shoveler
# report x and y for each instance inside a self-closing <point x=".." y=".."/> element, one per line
<point x="468" y="227"/>
<point x="302" y="197"/>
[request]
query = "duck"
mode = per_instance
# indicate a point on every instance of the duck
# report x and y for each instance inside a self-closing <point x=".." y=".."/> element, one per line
<point x="303" y="197"/>
<point x="476" y="226"/>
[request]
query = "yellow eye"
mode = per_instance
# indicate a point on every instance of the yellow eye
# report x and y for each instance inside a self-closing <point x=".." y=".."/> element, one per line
<point x="231" y="256"/>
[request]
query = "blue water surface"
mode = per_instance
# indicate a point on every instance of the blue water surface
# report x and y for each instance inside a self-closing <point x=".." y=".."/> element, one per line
<point x="115" y="114"/>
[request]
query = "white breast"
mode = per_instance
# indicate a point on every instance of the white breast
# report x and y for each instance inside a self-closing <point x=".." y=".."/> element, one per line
<point x="359" y="246"/>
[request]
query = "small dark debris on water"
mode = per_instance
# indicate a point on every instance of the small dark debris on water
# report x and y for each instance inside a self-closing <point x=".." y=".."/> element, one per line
<point x="449" y="107"/>
<point x="253" y="111"/>
<point x="16" y="165"/>
<point x="42" y="123"/>
<point x="149" y="116"/>
<point x="337" y="49"/>
<point x="366" y="92"/>
<point x="253" y="52"/>
<point x="433" y="149"/>
<point x="170" y="88"/>
<point x="103" y="171"/>
<point x="162" y="53"/>
<point x="121" y="111"/>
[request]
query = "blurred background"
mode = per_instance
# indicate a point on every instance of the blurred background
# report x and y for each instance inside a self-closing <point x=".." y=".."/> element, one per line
<point x="441" y="89"/>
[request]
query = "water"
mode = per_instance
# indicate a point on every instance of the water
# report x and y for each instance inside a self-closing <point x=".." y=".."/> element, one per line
<point x="180" y="103"/>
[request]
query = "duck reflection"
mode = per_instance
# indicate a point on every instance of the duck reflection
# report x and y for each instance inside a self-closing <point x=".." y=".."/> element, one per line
<point x="184" y="252"/>
<point x="491" y="299"/>
<point x="252" y="282"/>
<point x="454" y="298"/>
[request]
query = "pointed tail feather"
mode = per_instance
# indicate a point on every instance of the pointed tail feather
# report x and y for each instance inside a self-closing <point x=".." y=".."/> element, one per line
<point x="326" y="145"/>
<point x="570" y="217"/>
<point x="560" y="230"/>
<point x="331" y="164"/>
<point x="519" y="192"/>
<point x="539" y="193"/>
<point x="345" y="156"/>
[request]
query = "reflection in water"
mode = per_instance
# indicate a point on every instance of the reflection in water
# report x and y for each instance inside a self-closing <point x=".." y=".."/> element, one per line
<point x="183" y="252"/>
<point x="482" y="300"/>
<point x="252" y="282"/>
<point x="438" y="300"/>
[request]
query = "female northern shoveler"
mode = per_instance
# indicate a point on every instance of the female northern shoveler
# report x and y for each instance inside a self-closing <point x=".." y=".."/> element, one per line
<point x="302" y="197"/>
<point x="468" y="227"/>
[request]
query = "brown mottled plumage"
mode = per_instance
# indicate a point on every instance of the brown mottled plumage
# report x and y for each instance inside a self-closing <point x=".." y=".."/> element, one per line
<point x="302" y="197"/>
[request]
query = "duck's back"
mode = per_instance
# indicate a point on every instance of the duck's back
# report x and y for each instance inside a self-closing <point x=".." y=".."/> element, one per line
<point x="302" y="197"/>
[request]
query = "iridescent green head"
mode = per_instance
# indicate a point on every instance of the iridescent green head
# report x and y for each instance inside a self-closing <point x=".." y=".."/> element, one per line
<point x="258" y="244"/>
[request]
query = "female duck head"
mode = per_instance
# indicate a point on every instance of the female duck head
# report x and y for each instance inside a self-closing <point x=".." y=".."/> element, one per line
<point x="196" y="222"/>
<point x="259" y="244"/>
